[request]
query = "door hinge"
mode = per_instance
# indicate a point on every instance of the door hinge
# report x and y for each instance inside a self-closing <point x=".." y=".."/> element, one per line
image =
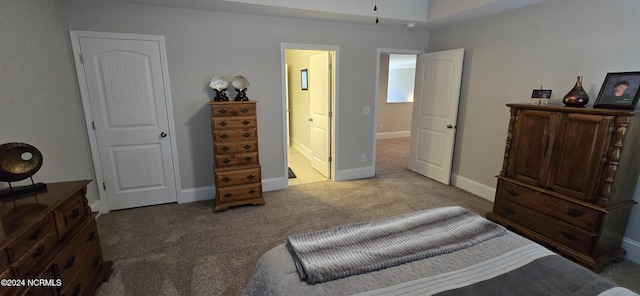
<point x="81" y="59"/>
<point x="330" y="114"/>
<point x="93" y="125"/>
<point x="329" y="158"/>
<point x="104" y="186"/>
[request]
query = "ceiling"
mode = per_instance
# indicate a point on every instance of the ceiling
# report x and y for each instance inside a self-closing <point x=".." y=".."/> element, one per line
<point x="413" y="14"/>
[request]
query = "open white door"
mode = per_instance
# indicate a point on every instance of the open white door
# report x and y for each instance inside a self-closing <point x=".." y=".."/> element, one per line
<point x="435" y="113"/>
<point x="124" y="83"/>
<point x="319" y="91"/>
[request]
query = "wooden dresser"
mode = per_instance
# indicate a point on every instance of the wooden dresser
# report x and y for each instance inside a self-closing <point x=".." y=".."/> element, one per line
<point x="568" y="178"/>
<point x="50" y="243"/>
<point x="235" y="151"/>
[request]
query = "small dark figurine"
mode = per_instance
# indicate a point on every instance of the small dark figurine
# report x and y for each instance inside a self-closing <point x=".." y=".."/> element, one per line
<point x="240" y="84"/>
<point x="221" y="95"/>
<point x="241" y="96"/>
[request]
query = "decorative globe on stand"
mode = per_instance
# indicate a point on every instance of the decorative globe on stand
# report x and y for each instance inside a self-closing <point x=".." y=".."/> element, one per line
<point x="240" y="84"/>
<point x="220" y="84"/>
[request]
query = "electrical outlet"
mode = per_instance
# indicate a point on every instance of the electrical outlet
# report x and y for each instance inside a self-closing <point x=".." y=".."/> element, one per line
<point x="363" y="157"/>
<point x="381" y="127"/>
<point x="366" y="110"/>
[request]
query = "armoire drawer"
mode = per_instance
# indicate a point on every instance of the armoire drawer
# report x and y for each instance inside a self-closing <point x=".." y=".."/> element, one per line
<point x="574" y="214"/>
<point x="233" y="122"/>
<point x="70" y="259"/>
<point x="30" y="238"/>
<point x="233" y="110"/>
<point x="69" y="214"/>
<point x="249" y="134"/>
<point x="87" y="271"/>
<point x="235" y="147"/>
<point x="561" y="232"/>
<point x="238" y="193"/>
<point x="221" y="161"/>
<point x="238" y="177"/>
<point x="31" y="257"/>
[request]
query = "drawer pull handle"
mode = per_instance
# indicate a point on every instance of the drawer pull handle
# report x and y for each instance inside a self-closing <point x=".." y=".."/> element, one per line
<point x="96" y="261"/>
<point x="222" y="111"/>
<point x="248" y="158"/>
<point x="247" y="146"/>
<point x="226" y="179"/>
<point x="70" y="262"/>
<point x="250" y="177"/>
<point x="512" y="192"/>
<point x="509" y="211"/>
<point x="574" y="213"/>
<point x="245" y="122"/>
<point x="35" y="235"/>
<point x="224" y="136"/>
<point x="244" y="110"/>
<point x="75" y="213"/>
<point x="246" y="135"/>
<point x="570" y="236"/>
<point x="225" y="148"/>
<point x="226" y="161"/>
<point x="252" y="191"/>
<point x="91" y="236"/>
<point x="227" y="195"/>
<point x="223" y="123"/>
<point x="39" y="251"/>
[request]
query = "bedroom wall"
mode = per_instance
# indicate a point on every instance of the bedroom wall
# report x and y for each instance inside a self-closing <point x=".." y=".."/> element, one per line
<point x="510" y="54"/>
<point x="39" y="97"/>
<point x="201" y="44"/>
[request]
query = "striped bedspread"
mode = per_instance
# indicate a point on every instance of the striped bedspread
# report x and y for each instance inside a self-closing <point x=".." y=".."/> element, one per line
<point x="503" y="275"/>
<point x="374" y="245"/>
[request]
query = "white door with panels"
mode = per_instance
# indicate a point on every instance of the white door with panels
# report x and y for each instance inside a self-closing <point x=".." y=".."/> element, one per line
<point x="124" y="81"/>
<point x="319" y="92"/>
<point x="435" y="113"/>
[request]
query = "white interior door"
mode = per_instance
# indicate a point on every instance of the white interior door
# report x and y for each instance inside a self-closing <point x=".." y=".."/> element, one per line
<point x="319" y="92"/>
<point x="287" y="103"/>
<point x="435" y="113"/>
<point x="125" y="85"/>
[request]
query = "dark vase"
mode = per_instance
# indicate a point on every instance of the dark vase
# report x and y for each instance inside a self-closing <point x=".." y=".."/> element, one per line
<point x="576" y="97"/>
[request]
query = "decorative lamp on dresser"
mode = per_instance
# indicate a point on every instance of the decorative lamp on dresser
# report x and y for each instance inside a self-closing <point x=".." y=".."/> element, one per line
<point x="568" y="178"/>
<point x="236" y="164"/>
<point x="50" y="243"/>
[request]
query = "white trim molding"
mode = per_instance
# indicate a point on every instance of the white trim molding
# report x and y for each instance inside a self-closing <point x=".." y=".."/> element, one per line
<point x="633" y="249"/>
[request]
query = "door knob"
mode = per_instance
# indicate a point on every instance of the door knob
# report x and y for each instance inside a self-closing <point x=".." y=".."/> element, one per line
<point x="163" y="134"/>
<point x="449" y="126"/>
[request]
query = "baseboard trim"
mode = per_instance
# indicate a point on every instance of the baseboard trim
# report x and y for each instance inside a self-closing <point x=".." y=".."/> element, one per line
<point x="477" y="188"/>
<point x="353" y="174"/>
<point x="393" y="135"/>
<point x="96" y="207"/>
<point x="633" y="249"/>
<point x="209" y="192"/>
<point x="197" y="194"/>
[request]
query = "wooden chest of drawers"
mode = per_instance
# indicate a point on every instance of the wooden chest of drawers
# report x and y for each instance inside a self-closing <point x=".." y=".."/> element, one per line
<point x="51" y="236"/>
<point x="237" y="168"/>
<point x="567" y="179"/>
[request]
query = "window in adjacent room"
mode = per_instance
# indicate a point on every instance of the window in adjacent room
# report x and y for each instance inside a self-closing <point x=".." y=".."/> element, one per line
<point x="402" y="73"/>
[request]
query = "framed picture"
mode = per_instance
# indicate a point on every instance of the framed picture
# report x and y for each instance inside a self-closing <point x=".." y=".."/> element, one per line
<point x="541" y="94"/>
<point x="304" y="78"/>
<point x="619" y="91"/>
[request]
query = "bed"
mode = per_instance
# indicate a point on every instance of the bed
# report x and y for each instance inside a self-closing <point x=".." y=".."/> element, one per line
<point x="442" y="251"/>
